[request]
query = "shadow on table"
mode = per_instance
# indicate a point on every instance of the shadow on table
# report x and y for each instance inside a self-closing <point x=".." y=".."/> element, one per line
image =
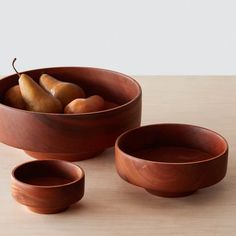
<point x="215" y="195"/>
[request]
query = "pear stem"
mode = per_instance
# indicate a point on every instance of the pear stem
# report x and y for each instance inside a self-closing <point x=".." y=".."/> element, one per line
<point x="13" y="65"/>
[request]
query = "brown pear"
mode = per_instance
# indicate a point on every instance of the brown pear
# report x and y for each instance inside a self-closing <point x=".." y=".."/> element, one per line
<point x="14" y="98"/>
<point x="85" y="105"/>
<point x="63" y="91"/>
<point x="36" y="98"/>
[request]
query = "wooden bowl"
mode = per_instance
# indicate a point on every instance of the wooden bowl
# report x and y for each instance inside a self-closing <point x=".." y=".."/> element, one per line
<point x="47" y="186"/>
<point x="73" y="137"/>
<point x="171" y="160"/>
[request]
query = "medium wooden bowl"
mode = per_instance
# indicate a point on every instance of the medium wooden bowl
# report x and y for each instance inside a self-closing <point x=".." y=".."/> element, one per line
<point x="47" y="186"/>
<point x="73" y="137"/>
<point x="171" y="160"/>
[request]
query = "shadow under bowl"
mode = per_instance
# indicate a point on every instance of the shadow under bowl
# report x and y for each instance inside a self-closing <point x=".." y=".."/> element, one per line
<point x="73" y="137"/>
<point x="47" y="186"/>
<point x="171" y="160"/>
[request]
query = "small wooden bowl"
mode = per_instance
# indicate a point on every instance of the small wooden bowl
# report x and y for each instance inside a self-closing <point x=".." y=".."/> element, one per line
<point x="171" y="160"/>
<point x="47" y="186"/>
<point x="73" y="137"/>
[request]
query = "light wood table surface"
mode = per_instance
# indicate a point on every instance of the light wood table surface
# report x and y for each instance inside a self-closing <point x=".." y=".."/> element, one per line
<point x="113" y="207"/>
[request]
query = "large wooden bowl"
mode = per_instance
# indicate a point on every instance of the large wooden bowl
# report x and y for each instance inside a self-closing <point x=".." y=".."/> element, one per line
<point x="171" y="160"/>
<point x="73" y="137"/>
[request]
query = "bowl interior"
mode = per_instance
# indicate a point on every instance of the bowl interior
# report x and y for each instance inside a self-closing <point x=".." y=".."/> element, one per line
<point x="47" y="173"/>
<point x="172" y="143"/>
<point x="112" y="86"/>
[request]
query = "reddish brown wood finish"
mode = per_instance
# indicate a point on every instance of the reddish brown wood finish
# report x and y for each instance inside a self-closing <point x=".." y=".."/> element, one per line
<point x="73" y="136"/>
<point x="171" y="160"/>
<point x="47" y="186"/>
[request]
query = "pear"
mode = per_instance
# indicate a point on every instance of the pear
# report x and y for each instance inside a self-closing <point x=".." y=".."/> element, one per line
<point x="85" y="105"/>
<point x="14" y="98"/>
<point x="36" y="98"/>
<point x="63" y="91"/>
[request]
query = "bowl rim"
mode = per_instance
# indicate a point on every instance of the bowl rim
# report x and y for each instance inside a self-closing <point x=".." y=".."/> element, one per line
<point x="225" y="151"/>
<point x="82" y="114"/>
<point x="77" y="180"/>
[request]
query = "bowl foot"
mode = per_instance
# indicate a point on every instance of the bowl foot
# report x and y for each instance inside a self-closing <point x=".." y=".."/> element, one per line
<point x="65" y="156"/>
<point x="170" y="194"/>
<point x="47" y="210"/>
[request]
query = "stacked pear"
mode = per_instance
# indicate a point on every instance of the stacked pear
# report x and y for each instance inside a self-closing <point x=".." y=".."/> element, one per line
<point x="65" y="92"/>
<point x="52" y="96"/>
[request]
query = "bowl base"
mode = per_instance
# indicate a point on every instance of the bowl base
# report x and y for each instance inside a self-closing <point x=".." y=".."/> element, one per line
<point x="65" y="156"/>
<point x="47" y="210"/>
<point x="170" y="194"/>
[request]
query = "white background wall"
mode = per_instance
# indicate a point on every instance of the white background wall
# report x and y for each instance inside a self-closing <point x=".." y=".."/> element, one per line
<point x="132" y="36"/>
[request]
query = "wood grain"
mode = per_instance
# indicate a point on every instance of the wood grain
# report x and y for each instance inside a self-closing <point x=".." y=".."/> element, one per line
<point x="113" y="207"/>
<point x="47" y="186"/>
